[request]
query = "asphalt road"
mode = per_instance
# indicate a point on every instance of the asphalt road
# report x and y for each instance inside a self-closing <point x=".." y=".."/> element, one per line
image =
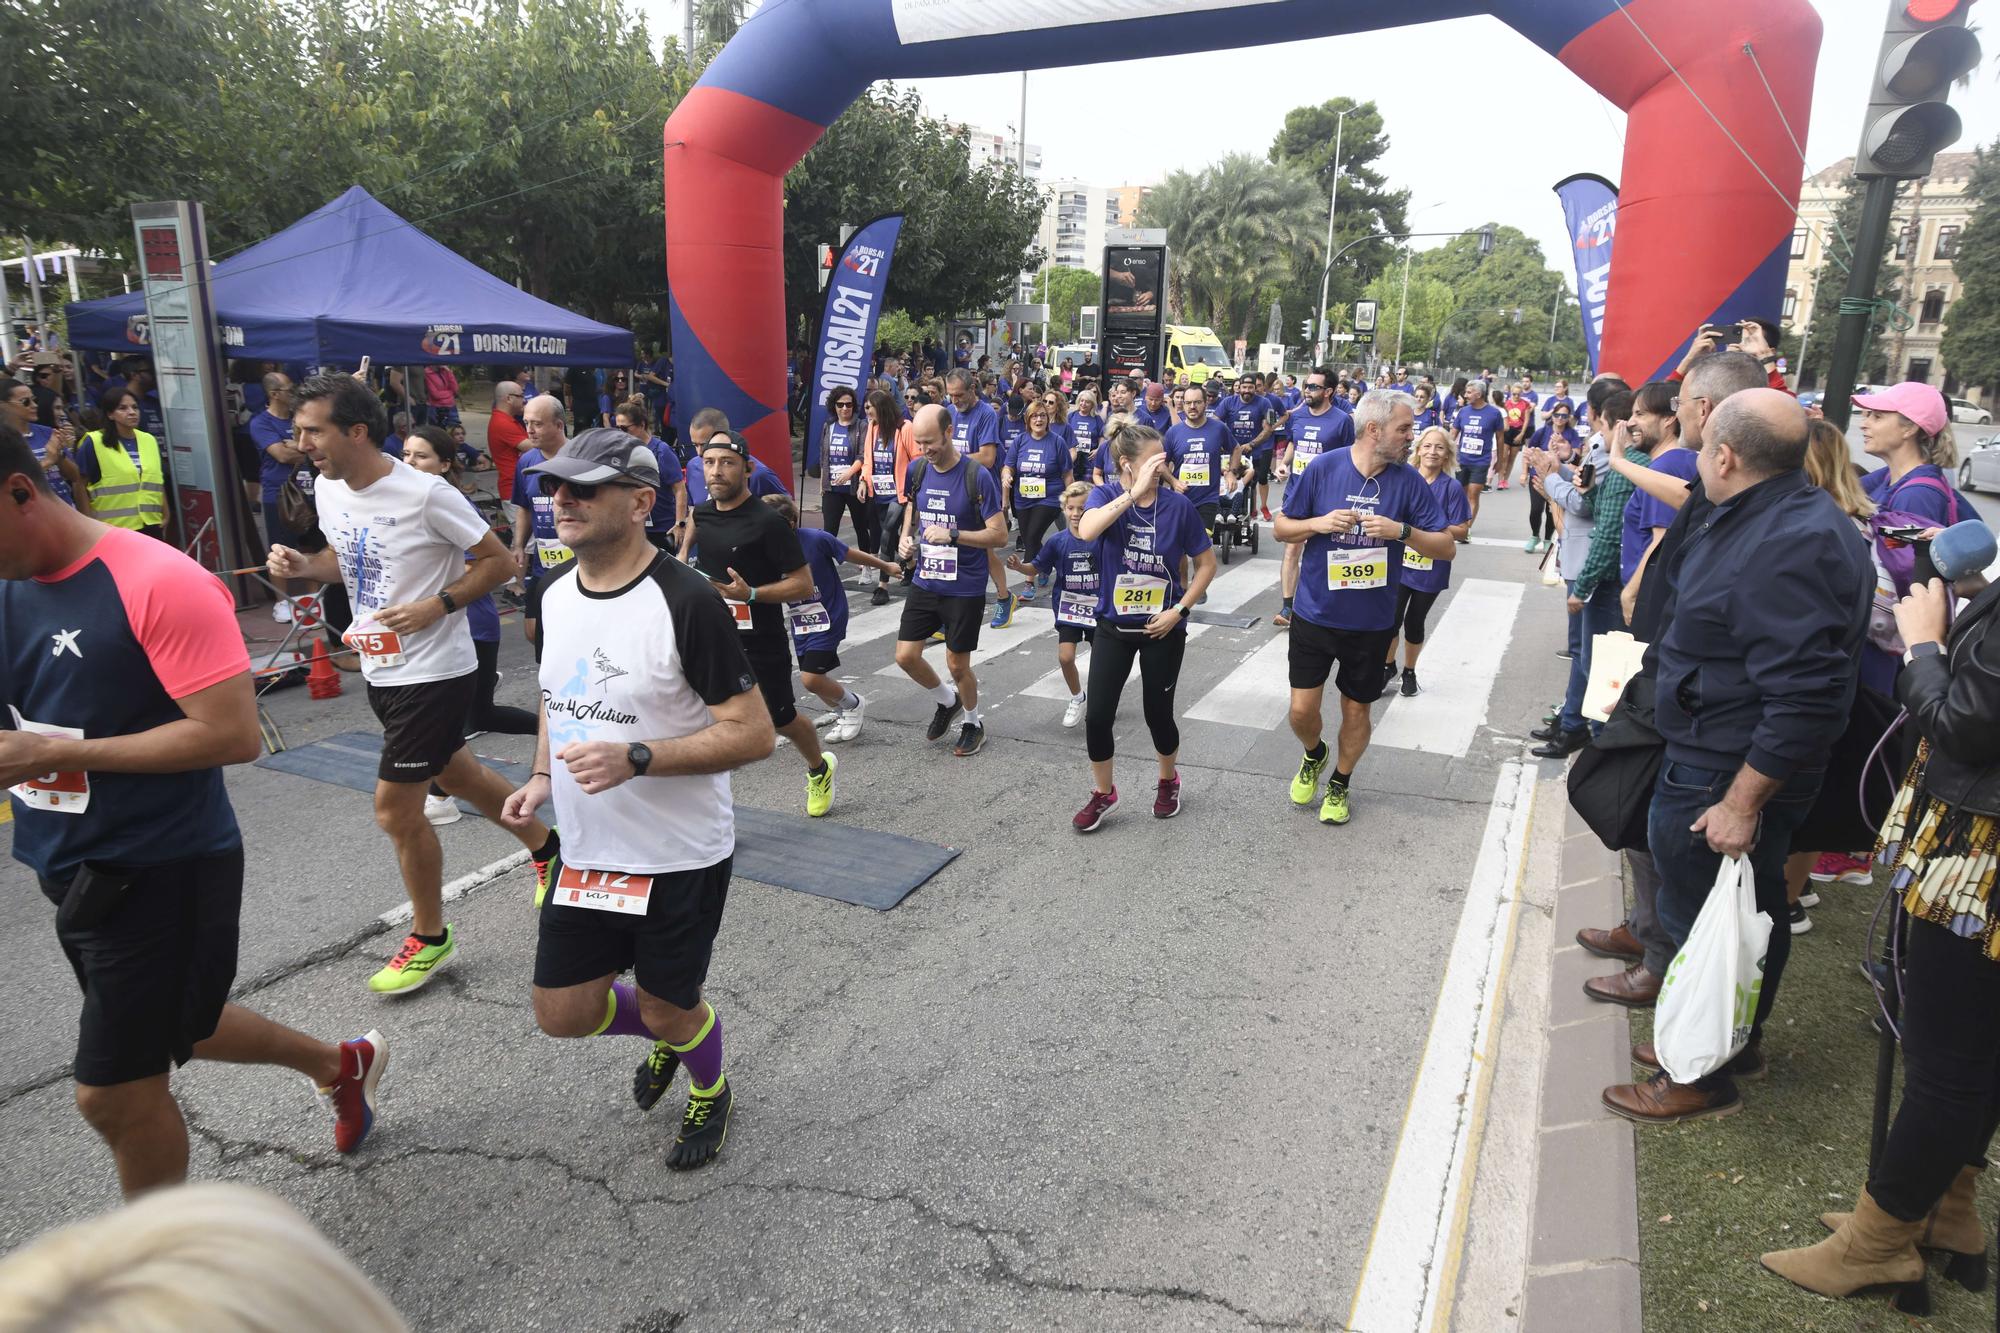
<point x="1153" y="1079"/>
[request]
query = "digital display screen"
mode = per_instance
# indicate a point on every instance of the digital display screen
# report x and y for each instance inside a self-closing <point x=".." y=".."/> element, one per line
<point x="1134" y="285"/>
<point x="161" y="257"/>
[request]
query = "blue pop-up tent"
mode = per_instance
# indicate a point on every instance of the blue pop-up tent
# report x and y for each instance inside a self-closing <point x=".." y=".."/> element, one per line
<point x="353" y="279"/>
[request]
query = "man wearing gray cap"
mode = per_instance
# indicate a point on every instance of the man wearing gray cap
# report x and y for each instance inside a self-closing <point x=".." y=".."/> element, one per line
<point x="648" y="702"/>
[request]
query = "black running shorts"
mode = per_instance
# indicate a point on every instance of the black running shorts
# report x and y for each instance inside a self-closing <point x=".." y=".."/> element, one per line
<point x="926" y="612"/>
<point x="667" y="950"/>
<point x="1316" y="650"/>
<point x="423" y="726"/>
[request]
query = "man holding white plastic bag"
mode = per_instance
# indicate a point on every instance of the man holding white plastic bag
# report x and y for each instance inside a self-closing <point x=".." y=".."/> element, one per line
<point x="1755" y="666"/>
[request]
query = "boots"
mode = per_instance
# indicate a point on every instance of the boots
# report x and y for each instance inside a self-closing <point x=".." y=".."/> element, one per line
<point x="1953" y="1227"/>
<point x="1871" y="1249"/>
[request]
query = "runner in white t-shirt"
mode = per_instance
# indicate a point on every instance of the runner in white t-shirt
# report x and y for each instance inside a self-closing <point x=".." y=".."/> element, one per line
<point x="648" y="702"/>
<point x="398" y="538"/>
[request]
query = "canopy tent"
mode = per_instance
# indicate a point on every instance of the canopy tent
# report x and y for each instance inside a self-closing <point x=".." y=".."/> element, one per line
<point x="353" y="279"/>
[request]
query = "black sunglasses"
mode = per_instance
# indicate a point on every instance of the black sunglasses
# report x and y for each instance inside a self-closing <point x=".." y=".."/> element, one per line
<point x="579" y="489"/>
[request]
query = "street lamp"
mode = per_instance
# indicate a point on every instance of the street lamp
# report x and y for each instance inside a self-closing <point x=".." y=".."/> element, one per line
<point x="1333" y="197"/>
<point x="1485" y="235"/>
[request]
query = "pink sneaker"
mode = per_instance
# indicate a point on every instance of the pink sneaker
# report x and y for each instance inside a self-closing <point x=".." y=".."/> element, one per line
<point x="1094" y="811"/>
<point x="1167" y="803"/>
<point x="363" y="1061"/>
<point x="1842" y="868"/>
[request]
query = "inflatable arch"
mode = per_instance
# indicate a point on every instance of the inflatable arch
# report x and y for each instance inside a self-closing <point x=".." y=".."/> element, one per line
<point x="1708" y="192"/>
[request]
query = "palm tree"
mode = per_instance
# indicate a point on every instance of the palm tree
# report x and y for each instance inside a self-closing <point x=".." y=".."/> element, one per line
<point x="1233" y="230"/>
<point x="716" y="21"/>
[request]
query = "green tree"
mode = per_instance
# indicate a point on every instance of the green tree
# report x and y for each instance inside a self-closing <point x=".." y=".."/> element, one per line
<point x="1971" y="347"/>
<point x="1502" y="303"/>
<point x="1366" y="206"/>
<point x="1234" y="230"/>
<point x="1067" y="291"/>
<point x="1431" y="303"/>
<point x="1830" y="285"/>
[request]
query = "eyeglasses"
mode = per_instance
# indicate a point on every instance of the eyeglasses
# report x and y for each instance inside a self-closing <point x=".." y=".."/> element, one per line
<point x="580" y="490"/>
<point x="1674" y="403"/>
<point x="1312" y="385"/>
<point x="847" y="403"/>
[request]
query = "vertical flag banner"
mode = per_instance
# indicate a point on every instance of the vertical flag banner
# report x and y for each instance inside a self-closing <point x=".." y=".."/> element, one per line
<point x="1590" y="206"/>
<point x="846" y="346"/>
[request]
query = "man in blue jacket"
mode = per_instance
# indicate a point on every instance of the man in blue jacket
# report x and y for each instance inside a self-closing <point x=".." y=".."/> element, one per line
<point x="1766" y="611"/>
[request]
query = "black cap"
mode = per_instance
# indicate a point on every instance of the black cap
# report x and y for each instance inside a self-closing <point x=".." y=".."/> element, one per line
<point x="600" y="455"/>
<point x="730" y="440"/>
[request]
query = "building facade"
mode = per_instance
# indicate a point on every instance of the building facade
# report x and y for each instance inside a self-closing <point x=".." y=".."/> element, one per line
<point x="993" y="148"/>
<point x="1074" y="216"/>
<point x="1929" y="217"/>
<point x="1128" y="198"/>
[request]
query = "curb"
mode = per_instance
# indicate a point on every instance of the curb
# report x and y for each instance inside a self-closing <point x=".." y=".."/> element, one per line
<point x="1583" y="1242"/>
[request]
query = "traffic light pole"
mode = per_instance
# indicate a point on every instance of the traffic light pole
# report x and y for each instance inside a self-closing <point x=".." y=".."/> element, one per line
<point x="1865" y="270"/>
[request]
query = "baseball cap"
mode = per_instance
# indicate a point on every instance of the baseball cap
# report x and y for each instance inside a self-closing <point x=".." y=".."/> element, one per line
<point x="730" y="440"/>
<point x="601" y="455"/>
<point x="1922" y="404"/>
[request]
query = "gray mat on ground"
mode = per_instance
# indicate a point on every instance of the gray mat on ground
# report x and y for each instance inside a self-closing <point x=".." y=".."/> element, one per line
<point x="1201" y="617"/>
<point x="816" y="856"/>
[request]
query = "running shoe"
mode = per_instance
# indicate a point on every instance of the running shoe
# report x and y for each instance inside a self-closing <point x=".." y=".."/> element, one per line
<point x="1027" y="593"/>
<point x="413" y="964"/>
<point x="545" y="876"/>
<point x="819" y="787"/>
<point x="849" y="725"/>
<point x="654" y="1075"/>
<point x="1306" y="785"/>
<point x="704" y="1125"/>
<point x="351" y="1097"/>
<point x="937" y="636"/>
<point x="1264" y="514"/>
<point x="880" y="597"/>
<point x="1841" y="868"/>
<point x="1500" y="485"/>
<point x="1282" y="620"/>
<point x="1531" y="546"/>
<point x="1100" y="804"/>
<point x="1333" y="810"/>
<point x="971" y="739"/>
<point x="1388" y="672"/>
<point x="941" y="719"/>
<point x="1167" y="800"/>
<point x="1800" y="922"/>
<point x="1809" y="898"/>
<point x="1003" y="612"/>
<point x="1073" y="711"/>
<point x="441" y="810"/>
<point x="1410" y="688"/>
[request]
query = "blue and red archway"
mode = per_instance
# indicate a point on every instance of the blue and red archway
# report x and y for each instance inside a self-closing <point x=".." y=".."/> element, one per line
<point x="1702" y="232"/>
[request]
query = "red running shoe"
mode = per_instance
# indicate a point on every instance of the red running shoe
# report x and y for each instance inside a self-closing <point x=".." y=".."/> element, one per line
<point x="363" y="1061"/>
<point x="1841" y="868"/>
<point x="1167" y="801"/>
<point x="1264" y="514"/>
<point x="1094" y="810"/>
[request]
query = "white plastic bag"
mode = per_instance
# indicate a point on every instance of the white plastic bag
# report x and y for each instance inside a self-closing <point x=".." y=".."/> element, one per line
<point x="1709" y="997"/>
<point x="1614" y="659"/>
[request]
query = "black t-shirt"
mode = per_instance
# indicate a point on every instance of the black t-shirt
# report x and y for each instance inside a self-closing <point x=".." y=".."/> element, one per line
<point x="754" y="540"/>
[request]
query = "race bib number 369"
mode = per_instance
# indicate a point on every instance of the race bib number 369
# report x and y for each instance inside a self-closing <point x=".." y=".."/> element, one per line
<point x="1367" y="567"/>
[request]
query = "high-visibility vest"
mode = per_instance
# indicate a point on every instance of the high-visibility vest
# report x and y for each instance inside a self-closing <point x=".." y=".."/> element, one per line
<point x="126" y="496"/>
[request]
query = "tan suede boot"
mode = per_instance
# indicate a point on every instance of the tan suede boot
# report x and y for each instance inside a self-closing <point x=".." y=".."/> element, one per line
<point x="1953" y="1228"/>
<point x="1871" y="1249"/>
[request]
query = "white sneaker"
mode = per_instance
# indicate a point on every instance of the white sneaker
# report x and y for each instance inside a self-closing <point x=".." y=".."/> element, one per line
<point x="441" y="810"/>
<point x="849" y="725"/>
<point x="282" y="611"/>
<point x="1073" y="713"/>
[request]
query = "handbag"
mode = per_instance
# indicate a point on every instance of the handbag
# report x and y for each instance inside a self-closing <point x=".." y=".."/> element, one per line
<point x="295" y="506"/>
<point x="1708" y="999"/>
<point x="1611" y="781"/>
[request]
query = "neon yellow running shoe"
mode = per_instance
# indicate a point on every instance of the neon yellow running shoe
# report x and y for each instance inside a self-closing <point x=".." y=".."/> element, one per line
<point x="1305" y="786"/>
<point x="819" y="787"/>
<point x="1333" y="810"/>
<point x="545" y="877"/>
<point x="413" y="964"/>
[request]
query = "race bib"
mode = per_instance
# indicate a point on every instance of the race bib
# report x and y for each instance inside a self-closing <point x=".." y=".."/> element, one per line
<point x="1411" y="560"/>
<point x="809" y="617"/>
<point x="1353" y="570"/>
<point x="1195" y="474"/>
<point x="552" y="552"/>
<point x="1034" y="488"/>
<point x="885" y="484"/>
<point x="62" y="793"/>
<point x="378" y="647"/>
<point x="1076" y="608"/>
<point x="1471" y="447"/>
<point x="937" y="562"/>
<point x="1138" y="594"/>
<point x="740" y="610"/>
<point x="604" y="890"/>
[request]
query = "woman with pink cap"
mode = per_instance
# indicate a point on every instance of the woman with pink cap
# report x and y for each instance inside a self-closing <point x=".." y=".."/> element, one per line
<point x="1908" y="427"/>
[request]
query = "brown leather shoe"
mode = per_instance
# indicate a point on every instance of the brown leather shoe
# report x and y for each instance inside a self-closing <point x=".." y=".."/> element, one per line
<point x="1746" y="1066"/>
<point x="1618" y="942"/>
<point x="1635" y="988"/>
<point x="1661" y="1101"/>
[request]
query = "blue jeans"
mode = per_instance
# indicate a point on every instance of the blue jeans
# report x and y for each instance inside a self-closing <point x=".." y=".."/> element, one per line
<point x="1688" y="867"/>
<point x="1600" y="615"/>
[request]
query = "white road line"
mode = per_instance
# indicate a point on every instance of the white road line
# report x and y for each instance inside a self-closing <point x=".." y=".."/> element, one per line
<point x="1030" y="622"/>
<point x="1051" y="686"/>
<point x="463" y="885"/>
<point x="1412" y="1258"/>
<point x="1233" y="587"/>
<point x="1256" y="694"/>
<point x="1497" y="541"/>
<point x="1461" y="660"/>
<point x="873" y="623"/>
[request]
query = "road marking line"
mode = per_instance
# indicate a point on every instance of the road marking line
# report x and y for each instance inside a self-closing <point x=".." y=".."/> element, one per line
<point x="1411" y="1263"/>
<point x="1030" y="622"/>
<point x="1256" y="694"/>
<point x="463" y="885"/>
<point x="1233" y="587"/>
<point x="1051" y="686"/>
<point x="1461" y="661"/>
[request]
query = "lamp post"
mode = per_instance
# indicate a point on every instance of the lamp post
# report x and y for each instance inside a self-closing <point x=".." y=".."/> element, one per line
<point x="1333" y="198"/>
<point x="1485" y="235"/>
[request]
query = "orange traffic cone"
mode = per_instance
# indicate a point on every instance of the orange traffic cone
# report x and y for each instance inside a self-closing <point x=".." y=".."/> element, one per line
<point x="322" y="682"/>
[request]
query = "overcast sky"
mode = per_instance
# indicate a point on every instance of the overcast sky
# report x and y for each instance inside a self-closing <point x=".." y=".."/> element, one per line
<point x="1432" y="126"/>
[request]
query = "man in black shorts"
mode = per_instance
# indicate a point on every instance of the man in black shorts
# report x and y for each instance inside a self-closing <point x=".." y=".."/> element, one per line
<point x="128" y="686"/>
<point x="952" y="520"/>
<point x="397" y="540"/>
<point x="648" y="702"/>
<point x="753" y="558"/>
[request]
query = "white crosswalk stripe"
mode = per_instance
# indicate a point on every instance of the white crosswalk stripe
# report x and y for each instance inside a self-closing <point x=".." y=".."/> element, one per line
<point x="1461" y="658"/>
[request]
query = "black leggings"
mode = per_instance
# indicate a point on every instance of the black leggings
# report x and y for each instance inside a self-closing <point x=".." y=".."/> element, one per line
<point x="865" y="517"/>
<point x="1413" y="608"/>
<point x="1111" y="654"/>
<point x="1541" y="518"/>
<point x="1951" y="1053"/>
<point x="1034" y="522"/>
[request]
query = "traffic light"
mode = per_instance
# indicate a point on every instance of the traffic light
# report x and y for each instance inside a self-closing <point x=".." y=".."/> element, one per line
<point x="825" y="265"/>
<point x="1925" y="47"/>
<point x="1305" y="330"/>
<point x="1486" y="239"/>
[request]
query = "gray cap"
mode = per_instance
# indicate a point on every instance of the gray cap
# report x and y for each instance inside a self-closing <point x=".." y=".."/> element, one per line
<point x="601" y="455"/>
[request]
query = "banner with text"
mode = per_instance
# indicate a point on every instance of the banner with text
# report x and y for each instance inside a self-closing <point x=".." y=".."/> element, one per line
<point x="846" y="347"/>
<point x="1590" y="206"/>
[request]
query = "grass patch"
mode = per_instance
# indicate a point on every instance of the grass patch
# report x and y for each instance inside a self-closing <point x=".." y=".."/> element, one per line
<point x="1715" y="1194"/>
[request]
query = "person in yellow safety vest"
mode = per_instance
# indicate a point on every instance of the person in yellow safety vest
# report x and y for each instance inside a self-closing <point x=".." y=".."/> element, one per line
<point x="122" y="467"/>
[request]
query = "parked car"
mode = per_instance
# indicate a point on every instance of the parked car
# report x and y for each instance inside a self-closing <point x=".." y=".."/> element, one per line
<point x="1979" y="469"/>
<point x="1968" y="413"/>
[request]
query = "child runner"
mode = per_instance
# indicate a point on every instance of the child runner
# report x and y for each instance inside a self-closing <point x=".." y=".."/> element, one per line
<point x="1069" y="563"/>
<point x="819" y="623"/>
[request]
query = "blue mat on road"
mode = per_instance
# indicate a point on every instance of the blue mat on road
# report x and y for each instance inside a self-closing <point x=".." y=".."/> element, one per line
<point x="817" y="856"/>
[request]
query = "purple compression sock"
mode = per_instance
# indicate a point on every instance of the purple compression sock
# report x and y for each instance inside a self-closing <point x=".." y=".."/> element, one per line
<point x="703" y="1055"/>
<point x="622" y="1016"/>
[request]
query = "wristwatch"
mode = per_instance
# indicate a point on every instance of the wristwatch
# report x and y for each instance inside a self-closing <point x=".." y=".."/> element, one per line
<point x="1405" y="534"/>
<point x="640" y="756"/>
<point x="449" y="605"/>
<point x="1925" y="649"/>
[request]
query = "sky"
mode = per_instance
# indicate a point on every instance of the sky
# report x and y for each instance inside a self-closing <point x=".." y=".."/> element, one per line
<point x="1543" y="124"/>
